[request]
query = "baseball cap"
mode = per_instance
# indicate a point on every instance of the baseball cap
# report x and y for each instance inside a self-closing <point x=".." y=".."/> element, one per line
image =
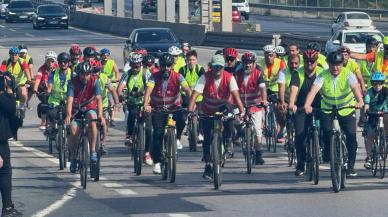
<point x="218" y="60"/>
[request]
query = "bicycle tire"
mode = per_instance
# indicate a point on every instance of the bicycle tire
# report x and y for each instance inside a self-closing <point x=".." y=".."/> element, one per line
<point x="193" y="134"/>
<point x="61" y="150"/>
<point x="140" y="143"/>
<point x="172" y="155"/>
<point x="309" y="158"/>
<point x="96" y="172"/>
<point x="248" y="143"/>
<point x="216" y="159"/>
<point x="382" y="153"/>
<point x="375" y="156"/>
<point x="267" y="132"/>
<point x="273" y="133"/>
<point x="135" y="144"/>
<point x="315" y="157"/>
<point x="84" y="161"/>
<point x="164" y="161"/>
<point x="290" y="145"/>
<point x="336" y="162"/>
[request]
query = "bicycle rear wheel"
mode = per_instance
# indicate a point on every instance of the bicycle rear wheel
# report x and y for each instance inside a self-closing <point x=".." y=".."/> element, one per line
<point x="97" y="165"/>
<point x="290" y="145"/>
<point x="248" y="146"/>
<point x="375" y="156"/>
<point x="193" y="134"/>
<point x="164" y="157"/>
<point x="309" y="158"/>
<point x="216" y="150"/>
<point x="139" y="149"/>
<point x="382" y="153"/>
<point x="315" y="157"/>
<point x="84" y="161"/>
<point x="171" y="152"/>
<point x="274" y="136"/>
<point x="61" y="147"/>
<point x="336" y="162"/>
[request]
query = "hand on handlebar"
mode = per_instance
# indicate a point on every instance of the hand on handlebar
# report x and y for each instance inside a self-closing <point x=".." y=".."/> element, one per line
<point x="148" y="108"/>
<point x="359" y="105"/>
<point x="293" y="108"/>
<point x="308" y="109"/>
<point x="67" y="119"/>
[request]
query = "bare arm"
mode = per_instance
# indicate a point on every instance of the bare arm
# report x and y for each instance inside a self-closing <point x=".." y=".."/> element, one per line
<point x="120" y="89"/>
<point x="357" y="94"/>
<point x="49" y="88"/>
<point x="36" y="85"/>
<point x="263" y="91"/>
<point x="99" y="106"/>
<point x="193" y="99"/>
<point x="360" y="80"/>
<point x="293" y="93"/>
<point x="310" y="98"/>
<point x="116" y="70"/>
<point x="282" y="90"/>
<point x="358" y="56"/>
<point x="187" y="90"/>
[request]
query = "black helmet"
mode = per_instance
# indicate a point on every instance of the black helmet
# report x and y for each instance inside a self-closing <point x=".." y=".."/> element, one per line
<point x="371" y="41"/>
<point x="22" y="46"/>
<point x="335" y="58"/>
<point x="149" y="59"/>
<point x="314" y="46"/>
<point x="63" y="57"/>
<point x="84" y="67"/>
<point x="166" y="60"/>
<point x="89" y="51"/>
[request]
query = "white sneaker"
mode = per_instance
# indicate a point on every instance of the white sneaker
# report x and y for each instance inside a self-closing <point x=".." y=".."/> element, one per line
<point x="200" y="138"/>
<point x="147" y="159"/>
<point x="157" y="169"/>
<point x="42" y="127"/>
<point x="179" y="145"/>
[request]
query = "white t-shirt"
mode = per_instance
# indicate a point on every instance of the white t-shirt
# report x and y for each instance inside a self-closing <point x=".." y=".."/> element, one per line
<point x="202" y="81"/>
<point x="281" y="78"/>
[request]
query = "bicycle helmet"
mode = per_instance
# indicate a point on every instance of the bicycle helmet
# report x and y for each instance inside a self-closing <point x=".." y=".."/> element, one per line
<point x="378" y="76"/>
<point x="140" y="50"/>
<point x="64" y="57"/>
<point x="135" y="58"/>
<point x="230" y="52"/>
<point x="248" y="57"/>
<point x="269" y="48"/>
<point x="174" y="50"/>
<point x="185" y="44"/>
<point x="89" y="51"/>
<point x="279" y="50"/>
<point x="50" y="55"/>
<point x="344" y="49"/>
<point x="22" y="48"/>
<point x="105" y="51"/>
<point x="75" y="49"/>
<point x="314" y="46"/>
<point x="335" y="58"/>
<point x="310" y="54"/>
<point x="149" y="59"/>
<point x="14" y="50"/>
<point x="166" y="60"/>
<point x="84" y="67"/>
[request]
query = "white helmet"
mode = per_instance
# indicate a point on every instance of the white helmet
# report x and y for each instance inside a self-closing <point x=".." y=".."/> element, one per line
<point x="50" y="55"/>
<point x="280" y="50"/>
<point x="135" y="58"/>
<point x="269" y="48"/>
<point x="174" y="50"/>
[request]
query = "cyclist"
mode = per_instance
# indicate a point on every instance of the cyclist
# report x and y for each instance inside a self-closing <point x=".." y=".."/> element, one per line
<point x="149" y="64"/>
<point x="58" y="81"/>
<point x="109" y="68"/>
<point x="135" y="82"/>
<point x="162" y="92"/>
<point x="90" y="55"/>
<point x="41" y="83"/>
<point x="293" y="64"/>
<point x="83" y="95"/>
<point x="185" y="46"/>
<point x="338" y="88"/>
<point x="272" y="67"/>
<point x="217" y="86"/>
<point x="293" y="48"/>
<point x="24" y="56"/>
<point x="321" y="58"/>
<point x="179" y="59"/>
<point x="375" y="101"/>
<point x="251" y="83"/>
<point x="352" y="65"/>
<point x="233" y="65"/>
<point x="19" y="69"/>
<point x="280" y="52"/>
<point x="76" y="56"/>
<point x="300" y="84"/>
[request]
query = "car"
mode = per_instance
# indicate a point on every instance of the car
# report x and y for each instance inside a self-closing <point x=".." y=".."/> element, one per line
<point x="155" y="40"/>
<point x="50" y="15"/>
<point x="236" y="15"/>
<point x="354" y="39"/>
<point x="19" y="10"/>
<point x="352" y="20"/>
<point x="3" y="7"/>
<point x="243" y="7"/>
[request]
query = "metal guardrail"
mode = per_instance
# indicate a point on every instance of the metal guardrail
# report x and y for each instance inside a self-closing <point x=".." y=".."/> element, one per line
<point x="317" y="9"/>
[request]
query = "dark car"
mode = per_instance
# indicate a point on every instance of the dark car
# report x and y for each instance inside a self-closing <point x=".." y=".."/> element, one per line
<point x="155" y="40"/>
<point x="20" y="10"/>
<point x="50" y="15"/>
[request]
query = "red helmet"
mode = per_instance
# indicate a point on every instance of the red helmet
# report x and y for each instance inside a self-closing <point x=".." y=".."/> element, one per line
<point x="140" y="50"/>
<point x="230" y="52"/>
<point x="310" y="54"/>
<point x="75" y="49"/>
<point x="248" y="57"/>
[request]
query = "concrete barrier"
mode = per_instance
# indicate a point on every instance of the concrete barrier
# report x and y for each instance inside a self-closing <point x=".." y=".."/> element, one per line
<point x="193" y="33"/>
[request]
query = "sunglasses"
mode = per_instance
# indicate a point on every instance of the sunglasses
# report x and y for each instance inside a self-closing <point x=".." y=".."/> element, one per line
<point x="310" y="61"/>
<point x="217" y="67"/>
<point x="248" y="62"/>
<point x="377" y="83"/>
<point x="230" y="59"/>
<point x="167" y="65"/>
<point x="62" y="62"/>
<point x="269" y="54"/>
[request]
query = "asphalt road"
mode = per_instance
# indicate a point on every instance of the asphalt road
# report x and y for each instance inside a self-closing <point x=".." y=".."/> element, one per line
<point x="40" y="189"/>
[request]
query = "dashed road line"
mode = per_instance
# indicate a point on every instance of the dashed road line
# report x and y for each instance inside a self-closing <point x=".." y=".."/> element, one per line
<point x="13" y="30"/>
<point x="178" y="215"/>
<point x="29" y="35"/>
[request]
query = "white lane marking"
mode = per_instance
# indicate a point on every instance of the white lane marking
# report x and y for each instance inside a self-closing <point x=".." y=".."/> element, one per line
<point x="71" y="193"/>
<point x="2" y="26"/>
<point x="13" y="30"/>
<point x="95" y="33"/>
<point x="29" y="35"/>
<point x="119" y="188"/>
<point x="125" y="191"/>
<point x="178" y="215"/>
<point x="112" y="185"/>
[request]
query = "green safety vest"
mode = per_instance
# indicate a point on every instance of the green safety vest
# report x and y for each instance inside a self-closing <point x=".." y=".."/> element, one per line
<point x="139" y="81"/>
<point x="28" y="57"/>
<point x="322" y="61"/>
<point x="108" y="69"/>
<point x="366" y="71"/>
<point x="103" y="78"/>
<point x="192" y="77"/>
<point x="341" y="96"/>
<point x="271" y="82"/>
<point x="180" y="62"/>
<point x="287" y="75"/>
<point x="17" y="72"/>
<point x="302" y="74"/>
<point x="58" y="92"/>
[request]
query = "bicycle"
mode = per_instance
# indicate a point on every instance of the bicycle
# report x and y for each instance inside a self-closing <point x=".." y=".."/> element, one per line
<point x="20" y="113"/>
<point x="270" y="124"/>
<point x="217" y="149"/>
<point x="290" y="140"/>
<point x="139" y="139"/>
<point x="192" y="129"/>
<point x="313" y="150"/>
<point x="83" y="149"/>
<point x="379" y="152"/>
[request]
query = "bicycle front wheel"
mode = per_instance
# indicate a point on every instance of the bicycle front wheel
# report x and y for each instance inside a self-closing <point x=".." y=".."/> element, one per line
<point x="248" y="145"/>
<point x="193" y="134"/>
<point x="336" y="162"/>
<point x="61" y="147"/>
<point x="139" y="149"/>
<point x="84" y="161"/>
<point x="96" y="166"/>
<point x="171" y="152"/>
<point x="382" y="153"/>
<point x="216" y="150"/>
<point x="315" y="157"/>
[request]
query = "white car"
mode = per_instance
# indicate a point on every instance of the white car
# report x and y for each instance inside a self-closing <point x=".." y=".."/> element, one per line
<point x="3" y="7"/>
<point x="243" y="7"/>
<point x="352" y="20"/>
<point x="354" y="39"/>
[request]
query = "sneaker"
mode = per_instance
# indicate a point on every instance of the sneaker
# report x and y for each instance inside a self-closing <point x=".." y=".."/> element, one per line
<point x="10" y="212"/>
<point x="368" y="164"/>
<point x="208" y="173"/>
<point x="93" y="157"/>
<point x="157" y="169"/>
<point x="73" y="166"/>
<point x="280" y="138"/>
<point x="299" y="172"/>
<point x="259" y="158"/>
<point x="179" y="145"/>
<point x="147" y="159"/>
<point x="351" y="173"/>
<point x="42" y="127"/>
<point x="200" y="137"/>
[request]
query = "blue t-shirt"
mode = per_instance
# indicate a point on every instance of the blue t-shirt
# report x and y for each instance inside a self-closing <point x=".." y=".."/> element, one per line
<point x="376" y="102"/>
<point x="62" y="78"/>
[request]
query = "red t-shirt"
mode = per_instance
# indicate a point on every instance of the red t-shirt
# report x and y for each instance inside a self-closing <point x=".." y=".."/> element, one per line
<point x="370" y="57"/>
<point x="43" y="74"/>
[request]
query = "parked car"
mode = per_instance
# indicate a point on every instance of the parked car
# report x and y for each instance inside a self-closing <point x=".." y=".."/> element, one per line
<point x="352" y="20"/>
<point x="19" y="10"/>
<point x="155" y="40"/>
<point x="243" y="7"/>
<point x="236" y="15"/>
<point x="3" y="7"/>
<point x="353" y="38"/>
<point x="50" y="15"/>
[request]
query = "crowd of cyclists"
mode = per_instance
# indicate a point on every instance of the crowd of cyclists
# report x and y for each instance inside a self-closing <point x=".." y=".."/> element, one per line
<point x="298" y="83"/>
